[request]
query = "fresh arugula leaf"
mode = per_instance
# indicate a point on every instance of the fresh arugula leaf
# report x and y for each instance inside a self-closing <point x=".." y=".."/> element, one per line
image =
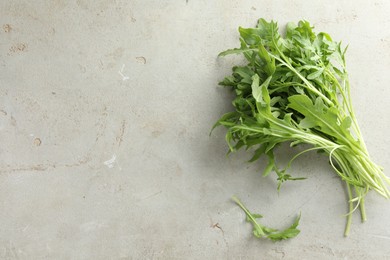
<point x="259" y="92"/>
<point x="321" y="117"/>
<point x="261" y="231"/>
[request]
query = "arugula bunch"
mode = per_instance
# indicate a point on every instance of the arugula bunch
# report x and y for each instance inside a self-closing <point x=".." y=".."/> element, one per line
<point x="295" y="88"/>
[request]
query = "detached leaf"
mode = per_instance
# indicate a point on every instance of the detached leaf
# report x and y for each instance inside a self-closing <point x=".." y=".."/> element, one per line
<point x="257" y="228"/>
<point x="289" y="232"/>
<point x="261" y="231"/>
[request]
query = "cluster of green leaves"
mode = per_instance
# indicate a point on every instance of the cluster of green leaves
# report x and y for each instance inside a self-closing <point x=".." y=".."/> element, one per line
<point x="295" y="88"/>
<point x="261" y="231"/>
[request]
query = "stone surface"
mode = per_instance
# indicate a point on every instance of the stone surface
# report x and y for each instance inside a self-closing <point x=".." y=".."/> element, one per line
<point x="105" y="113"/>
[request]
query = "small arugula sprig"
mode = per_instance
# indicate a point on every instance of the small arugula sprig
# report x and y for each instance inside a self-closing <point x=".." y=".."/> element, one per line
<point x="261" y="231"/>
<point x="296" y="89"/>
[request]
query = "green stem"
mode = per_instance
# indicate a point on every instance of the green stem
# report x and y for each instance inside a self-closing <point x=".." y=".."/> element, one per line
<point x="284" y="85"/>
<point x="249" y="215"/>
<point x="349" y="216"/>
<point x="357" y="128"/>
<point x="363" y="210"/>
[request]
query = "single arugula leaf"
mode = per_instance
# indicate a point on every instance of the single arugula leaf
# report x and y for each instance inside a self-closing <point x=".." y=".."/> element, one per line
<point x="251" y="36"/>
<point x="269" y="62"/>
<point x="320" y="116"/>
<point x="261" y="231"/>
<point x="271" y="163"/>
<point x="259" y="92"/>
<point x="258" y="153"/>
<point x="227" y="119"/>
<point x="315" y="74"/>
<point x="228" y="81"/>
<point x="235" y="51"/>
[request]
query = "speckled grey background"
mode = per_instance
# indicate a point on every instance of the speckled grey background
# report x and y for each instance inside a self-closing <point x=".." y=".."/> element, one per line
<point x="105" y="111"/>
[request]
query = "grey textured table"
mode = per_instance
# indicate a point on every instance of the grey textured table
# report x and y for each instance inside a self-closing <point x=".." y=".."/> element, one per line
<point x="105" y="112"/>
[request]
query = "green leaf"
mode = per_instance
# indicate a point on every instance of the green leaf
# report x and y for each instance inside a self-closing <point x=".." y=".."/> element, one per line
<point x="244" y="72"/>
<point x="250" y="35"/>
<point x="261" y="231"/>
<point x="260" y="92"/>
<point x="227" y="119"/>
<point x="269" y="63"/>
<point x="268" y="31"/>
<point x="271" y="163"/>
<point x="346" y="123"/>
<point x="257" y="228"/>
<point x="289" y="232"/>
<point x="228" y="81"/>
<point x="315" y="74"/>
<point x="235" y="51"/>
<point x="258" y="153"/>
<point x="285" y="234"/>
<point x="229" y="138"/>
<point x="254" y="215"/>
<point x="320" y="117"/>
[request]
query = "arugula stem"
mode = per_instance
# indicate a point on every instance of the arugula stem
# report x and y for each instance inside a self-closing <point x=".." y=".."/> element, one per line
<point x="283" y="85"/>
<point x="363" y="210"/>
<point x="258" y="227"/>
<point x="361" y="140"/>
<point x="349" y="216"/>
<point x="348" y="103"/>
